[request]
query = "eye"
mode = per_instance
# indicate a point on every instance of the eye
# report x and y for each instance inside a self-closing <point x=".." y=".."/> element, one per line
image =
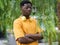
<point x="26" y="7"/>
<point x="30" y="7"/>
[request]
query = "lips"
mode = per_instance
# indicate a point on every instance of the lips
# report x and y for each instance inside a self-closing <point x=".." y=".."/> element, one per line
<point x="28" y="12"/>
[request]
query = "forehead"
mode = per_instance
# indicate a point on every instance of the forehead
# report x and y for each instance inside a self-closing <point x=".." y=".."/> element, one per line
<point x="27" y="5"/>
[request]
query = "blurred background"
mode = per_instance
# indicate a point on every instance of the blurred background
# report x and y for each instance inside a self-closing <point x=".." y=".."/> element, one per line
<point x="47" y="13"/>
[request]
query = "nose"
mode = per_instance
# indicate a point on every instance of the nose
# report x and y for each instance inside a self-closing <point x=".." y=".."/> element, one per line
<point x="29" y="9"/>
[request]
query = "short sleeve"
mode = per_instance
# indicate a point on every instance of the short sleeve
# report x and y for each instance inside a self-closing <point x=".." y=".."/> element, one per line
<point x="39" y="30"/>
<point x="17" y="29"/>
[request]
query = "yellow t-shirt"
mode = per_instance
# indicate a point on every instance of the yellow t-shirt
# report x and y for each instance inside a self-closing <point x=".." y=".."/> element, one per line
<point x="22" y="26"/>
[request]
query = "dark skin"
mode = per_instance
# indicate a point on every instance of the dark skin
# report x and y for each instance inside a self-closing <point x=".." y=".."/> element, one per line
<point x="26" y="10"/>
<point x="29" y="38"/>
<point x="34" y="36"/>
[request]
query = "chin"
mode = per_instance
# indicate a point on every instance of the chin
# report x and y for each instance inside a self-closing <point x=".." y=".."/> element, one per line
<point x="27" y="14"/>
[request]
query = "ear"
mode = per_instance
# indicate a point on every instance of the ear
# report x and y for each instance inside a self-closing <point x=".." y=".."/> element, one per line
<point x="21" y="7"/>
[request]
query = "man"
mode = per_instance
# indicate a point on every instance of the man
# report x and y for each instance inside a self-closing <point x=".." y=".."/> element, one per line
<point x="26" y="30"/>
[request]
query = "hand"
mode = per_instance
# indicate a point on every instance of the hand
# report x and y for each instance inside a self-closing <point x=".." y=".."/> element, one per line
<point x="34" y="36"/>
<point x="29" y="35"/>
<point x="25" y="40"/>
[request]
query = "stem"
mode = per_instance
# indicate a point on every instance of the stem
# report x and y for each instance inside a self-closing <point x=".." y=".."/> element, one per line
<point x="59" y="38"/>
<point x="49" y="39"/>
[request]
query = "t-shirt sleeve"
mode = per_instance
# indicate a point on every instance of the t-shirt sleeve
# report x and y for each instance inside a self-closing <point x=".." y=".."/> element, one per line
<point x="38" y="29"/>
<point x="17" y="29"/>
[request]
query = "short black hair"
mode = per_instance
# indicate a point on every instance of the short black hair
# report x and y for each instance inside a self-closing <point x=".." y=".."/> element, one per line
<point x="25" y="2"/>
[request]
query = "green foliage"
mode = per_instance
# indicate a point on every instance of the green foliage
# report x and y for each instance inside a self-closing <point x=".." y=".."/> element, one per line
<point x="46" y="10"/>
<point x="9" y="10"/>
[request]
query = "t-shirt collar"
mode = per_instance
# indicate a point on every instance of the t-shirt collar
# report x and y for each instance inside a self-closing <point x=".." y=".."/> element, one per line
<point x="24" y="18"/>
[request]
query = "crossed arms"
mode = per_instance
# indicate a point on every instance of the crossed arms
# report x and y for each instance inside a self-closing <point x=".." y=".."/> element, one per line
<point x="29" y="38"/>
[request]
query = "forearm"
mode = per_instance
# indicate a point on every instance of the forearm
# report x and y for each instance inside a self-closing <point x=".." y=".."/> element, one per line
<point x="35" y="36"/>
<point x="25" y="40"/>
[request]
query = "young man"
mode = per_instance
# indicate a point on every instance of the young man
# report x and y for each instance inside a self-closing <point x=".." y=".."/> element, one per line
<point x="26" y="30"/>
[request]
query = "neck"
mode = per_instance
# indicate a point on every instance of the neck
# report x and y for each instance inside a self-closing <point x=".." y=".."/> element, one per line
<point x="27" y="17"/>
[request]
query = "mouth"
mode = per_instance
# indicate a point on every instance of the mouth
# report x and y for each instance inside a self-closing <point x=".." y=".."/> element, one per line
<point x="29" y="13"/>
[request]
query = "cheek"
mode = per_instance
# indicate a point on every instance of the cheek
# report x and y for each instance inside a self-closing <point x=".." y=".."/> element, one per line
<point x="24" y="10"/>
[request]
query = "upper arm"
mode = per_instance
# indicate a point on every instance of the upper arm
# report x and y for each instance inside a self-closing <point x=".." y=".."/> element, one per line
<point x="17" y="29"/>
<point x="38" y="29"/>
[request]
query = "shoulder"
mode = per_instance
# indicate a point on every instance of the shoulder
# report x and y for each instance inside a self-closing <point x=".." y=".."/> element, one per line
<point x="18" y="20"/>
<point x="33" y="19"/>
